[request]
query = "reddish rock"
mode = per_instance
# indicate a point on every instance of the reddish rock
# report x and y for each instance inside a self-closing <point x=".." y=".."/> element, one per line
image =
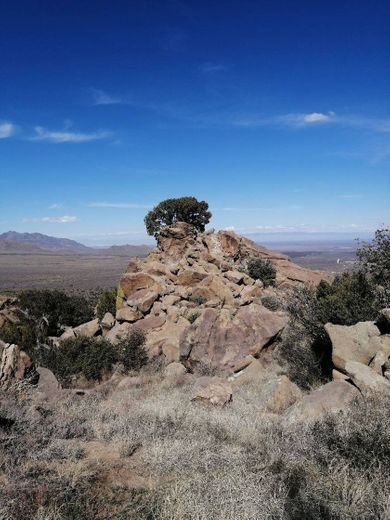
<point x="190" y="277"/>
<point x="151" y="322"/>
<point x="225" y="341"/>
<point x="132" y="282"/>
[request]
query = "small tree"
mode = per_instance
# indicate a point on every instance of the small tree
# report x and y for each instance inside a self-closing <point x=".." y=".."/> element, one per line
<point x="262" y="270"/>
<point x="183" y="209"/>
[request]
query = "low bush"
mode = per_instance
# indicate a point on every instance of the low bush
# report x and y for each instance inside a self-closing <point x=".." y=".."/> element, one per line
<point x="262" y="270"/>
<point x="272" y="303"/>
<point x="193" y="316"/>
<point x="90" y="357"/>
<point x="106" y="303"/>
<point x="131" y="351"/>
<point x="198" y="299"/>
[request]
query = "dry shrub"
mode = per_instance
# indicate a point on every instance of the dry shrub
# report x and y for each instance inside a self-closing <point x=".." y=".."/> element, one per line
<point x="204" y="463"/>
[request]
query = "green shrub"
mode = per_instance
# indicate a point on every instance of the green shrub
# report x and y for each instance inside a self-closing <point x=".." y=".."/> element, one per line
<point x="23" y="334"/>
<point x="131" y="351"/>
<point x="263" y="270"/>
<point x="57" y="307"/>
<point x="106" y="303"/>
<point x="90" y="357"/>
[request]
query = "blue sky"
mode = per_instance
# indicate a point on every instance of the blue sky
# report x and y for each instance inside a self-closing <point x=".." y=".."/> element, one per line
<point x="276" y="113"/>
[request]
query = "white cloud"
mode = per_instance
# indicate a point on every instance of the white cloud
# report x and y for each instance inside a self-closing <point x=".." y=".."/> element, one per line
<point x="229" y="228"/>
<point x="316" y="117"/>
<point x="209" y="67"/>
<point x="67" y="137"/>
<point x="119" y="205"/>
<point x="66" y="219"/>
<point x="56" y="206"/>
<point x="6" y="129"/>
<point x="101" y="98"/>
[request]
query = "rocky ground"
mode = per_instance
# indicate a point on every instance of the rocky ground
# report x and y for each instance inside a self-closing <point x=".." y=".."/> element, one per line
<point x="213" y="427"/>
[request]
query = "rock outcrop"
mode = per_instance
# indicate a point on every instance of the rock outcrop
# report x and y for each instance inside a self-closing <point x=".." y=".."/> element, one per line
<point x="192" y="297"/>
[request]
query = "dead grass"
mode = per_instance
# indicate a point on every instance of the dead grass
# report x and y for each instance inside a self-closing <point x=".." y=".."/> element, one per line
<point x="144" y="451"/>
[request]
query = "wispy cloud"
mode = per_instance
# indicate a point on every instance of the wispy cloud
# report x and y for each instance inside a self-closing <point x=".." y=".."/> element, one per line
<point x="56" y="205"/>
<point x="291" y="120"/>
<point x="209" y="67"/>
<point x="311" y="119"/>
<point x="119" y="205"/>
<point x="6" y="129"/>
<point x="42" y="134"/>
<point x="66" y="219"/>
<point x="350" y="196"/>
<point x="102" y="98"/>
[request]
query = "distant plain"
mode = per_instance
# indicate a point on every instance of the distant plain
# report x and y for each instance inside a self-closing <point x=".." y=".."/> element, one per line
<point x="76" y="271"/>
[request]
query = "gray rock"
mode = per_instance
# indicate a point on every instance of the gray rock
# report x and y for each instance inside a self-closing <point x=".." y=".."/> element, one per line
<point x="366" y="379"/>
<point x="333" y="397"/>
<point x="358" y="342"/>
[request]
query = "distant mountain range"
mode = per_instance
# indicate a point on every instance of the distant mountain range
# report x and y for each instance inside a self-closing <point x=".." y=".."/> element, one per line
<point x="14" y="242"/>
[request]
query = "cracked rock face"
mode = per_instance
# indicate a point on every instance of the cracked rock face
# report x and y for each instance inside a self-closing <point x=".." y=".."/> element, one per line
<point x="195" y="302"/>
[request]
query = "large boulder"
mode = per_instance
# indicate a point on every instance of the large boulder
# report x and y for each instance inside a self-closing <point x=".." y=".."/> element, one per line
<point x="225" y="338"/>
<point x="89" y="329"/>
<point x="278" y="394"/>
<point x="366" y="379"/>
<point x="336" y="396"/>
<point x="358" y="342"/>
<point x="212" y="390"/>
<point x="118" y="332"/>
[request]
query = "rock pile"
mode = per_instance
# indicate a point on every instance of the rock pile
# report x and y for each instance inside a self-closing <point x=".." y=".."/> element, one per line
<point x="361" y="353"/>
<point x="194" y="300"/>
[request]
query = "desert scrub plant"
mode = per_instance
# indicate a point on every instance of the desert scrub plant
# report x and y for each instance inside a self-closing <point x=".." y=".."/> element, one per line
<point x="90" y="357"/>
<point x="192" y="316"/>
<point x="198" y="299"/>
<point x="271" y="302"/>
<point x="106" y="303"/>
<point x="262" y="270"/>
<point x="131" y="350"/>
